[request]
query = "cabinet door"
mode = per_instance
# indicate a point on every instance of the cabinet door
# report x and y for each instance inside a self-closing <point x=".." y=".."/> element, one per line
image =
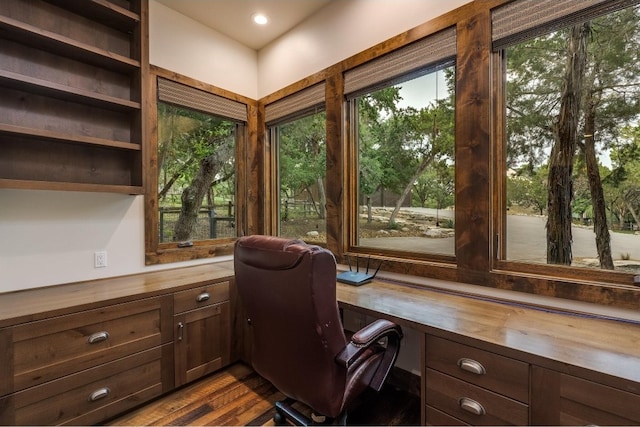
<point x="202" y="342"/>
<point x="562" y="399"/>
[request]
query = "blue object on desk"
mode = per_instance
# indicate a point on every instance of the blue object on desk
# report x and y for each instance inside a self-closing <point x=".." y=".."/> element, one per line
<point x="357" y="278"/>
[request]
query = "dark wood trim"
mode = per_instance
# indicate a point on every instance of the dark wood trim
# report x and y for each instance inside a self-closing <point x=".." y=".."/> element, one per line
<point x="479" y="188"/>
<point x="247" y="210"/>
<point x="473" y="143"/>
<point x="334" y="111"/>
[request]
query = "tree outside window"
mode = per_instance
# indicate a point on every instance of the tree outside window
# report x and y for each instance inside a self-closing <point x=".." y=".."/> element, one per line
<point x="196" y="175"/>
<point x="301" y="171"/>
<point x="572" y="157"/>
<point x="406" y="139"/>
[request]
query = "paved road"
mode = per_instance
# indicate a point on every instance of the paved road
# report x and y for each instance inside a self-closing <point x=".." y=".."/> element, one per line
<point x="528" y="237"/>
<point x="526" y="240"/>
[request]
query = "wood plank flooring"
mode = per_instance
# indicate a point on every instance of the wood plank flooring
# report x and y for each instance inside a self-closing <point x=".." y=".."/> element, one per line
<point x="238" y="396"/>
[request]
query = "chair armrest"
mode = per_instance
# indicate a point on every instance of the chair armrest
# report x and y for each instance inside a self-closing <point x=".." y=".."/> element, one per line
<point x="367" y="336"/>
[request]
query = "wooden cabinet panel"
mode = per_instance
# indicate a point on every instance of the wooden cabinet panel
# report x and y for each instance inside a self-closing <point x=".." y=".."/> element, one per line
<point x="82" y="367"/>
<point x="202" y="330"/>
<point x="48" y="349"/>
<point x="91" y="395"/>
<point x="562" y="399"/>
<point x="489" y="370"/>
<point x="470" y="403"/>
<point x="202" y="342"/>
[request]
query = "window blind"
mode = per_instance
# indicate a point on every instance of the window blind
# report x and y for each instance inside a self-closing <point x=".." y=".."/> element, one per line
<point x="391" y="67"/>
<point x="187" y="96"/>
<point x="522" y="20"/>
<point x="299" y="102"/>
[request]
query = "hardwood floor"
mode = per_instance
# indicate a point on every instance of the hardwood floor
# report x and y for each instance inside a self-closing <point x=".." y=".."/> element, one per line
<point x="238" y="396"/>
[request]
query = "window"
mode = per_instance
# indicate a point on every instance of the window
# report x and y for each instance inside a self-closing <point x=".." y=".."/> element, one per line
<point x="406" y="165"/>
<point x="196" y="175"/>
<point x="402" y="115"/>
<point x="571" y="162"/>
<point x="301" y="176"/>
<point x="297" y="129"/>
<point x="192" y="197"/>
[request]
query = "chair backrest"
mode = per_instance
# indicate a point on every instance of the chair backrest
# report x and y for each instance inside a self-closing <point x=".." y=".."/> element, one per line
<point x="288" y="289"/>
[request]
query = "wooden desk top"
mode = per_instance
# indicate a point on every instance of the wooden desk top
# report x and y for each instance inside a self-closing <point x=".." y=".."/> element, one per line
<point x="39" y="303"/>
<point x="545" y="336"/>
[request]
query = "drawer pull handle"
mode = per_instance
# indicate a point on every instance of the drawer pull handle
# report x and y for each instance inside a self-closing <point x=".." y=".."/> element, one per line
<point x="101" y="393"/>
<point x="180" y="330"/>
<point x="98" y="337"/>
<point x="472" y="366"/>
<point x="471" y="405"/>
<point x="203" y="297"/>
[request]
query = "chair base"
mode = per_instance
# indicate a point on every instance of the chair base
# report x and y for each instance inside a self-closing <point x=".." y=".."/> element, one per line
<point x="285" y="413"/>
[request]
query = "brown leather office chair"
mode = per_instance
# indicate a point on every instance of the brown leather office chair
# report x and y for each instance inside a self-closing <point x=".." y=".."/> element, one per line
<point x="288" y="289"/>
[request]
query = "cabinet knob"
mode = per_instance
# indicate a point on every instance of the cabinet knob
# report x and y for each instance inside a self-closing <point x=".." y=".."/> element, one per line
<point x="470" y="405"/>
<point x="98" y="337"/>
<point x="472" y="366"/>
<point x="203" y="297"/>
<point x="99" y="394"/>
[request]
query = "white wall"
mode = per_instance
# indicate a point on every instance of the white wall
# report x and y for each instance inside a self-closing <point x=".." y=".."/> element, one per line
<point x="48" y="237"/>
<point x="185" y="46"/>
<point x="339" y="31"/>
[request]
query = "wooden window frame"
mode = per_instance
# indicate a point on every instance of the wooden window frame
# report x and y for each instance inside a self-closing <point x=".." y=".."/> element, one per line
<point x="616" y="281"/>
<point x="160" y="253"/>
<point x="478" y="190"/>
<point x="353" y="247"/>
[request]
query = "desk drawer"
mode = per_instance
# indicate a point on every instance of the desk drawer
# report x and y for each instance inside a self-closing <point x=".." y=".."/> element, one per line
<point x="48" y="349"/>
<point x="202" y="296"/>
<point x="90" y="396"/>
<point x="439" y="418"/>
<point x="472" y="404"/>
<point x="489" y="370"/>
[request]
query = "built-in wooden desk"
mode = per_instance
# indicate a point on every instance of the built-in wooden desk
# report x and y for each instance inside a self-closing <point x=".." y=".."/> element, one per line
<point x="488" y="359"/>
<point x="487" y="356"/>
<point x="80" y="353"/>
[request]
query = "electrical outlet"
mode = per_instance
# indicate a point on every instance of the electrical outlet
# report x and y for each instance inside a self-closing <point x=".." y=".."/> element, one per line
<point x="100" y="259"/>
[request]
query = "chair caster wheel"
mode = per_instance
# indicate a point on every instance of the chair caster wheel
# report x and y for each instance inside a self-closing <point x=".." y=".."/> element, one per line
<point x="279" y="419"/>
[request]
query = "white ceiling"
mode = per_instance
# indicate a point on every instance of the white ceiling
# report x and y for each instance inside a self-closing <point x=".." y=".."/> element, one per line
<point x="233" y="17"/>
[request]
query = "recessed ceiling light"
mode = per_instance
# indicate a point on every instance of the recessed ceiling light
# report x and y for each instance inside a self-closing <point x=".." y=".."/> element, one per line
<point x="260" y="18"/>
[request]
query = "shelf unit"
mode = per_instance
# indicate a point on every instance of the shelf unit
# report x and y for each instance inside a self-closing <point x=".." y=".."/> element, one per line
<point x="71" y="94"/>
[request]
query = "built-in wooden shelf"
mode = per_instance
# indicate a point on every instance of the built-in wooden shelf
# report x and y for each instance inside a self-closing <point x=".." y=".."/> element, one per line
<point x="71" y="91"/>
<point x="66" y="93"/>
<point x="42" y="39"/>
<point x="102" y="11"/>
<point x="69" y="186"/>
<point x="65" y="137"/>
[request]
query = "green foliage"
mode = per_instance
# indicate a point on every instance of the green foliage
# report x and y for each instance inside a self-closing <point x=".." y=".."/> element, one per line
<point x="185" y="138"/>
<point x="435" y="187"/>
<point x="302" y="160"/>
<point x="392" y="225"/>
<point x="398" y="143"/>
<point x="611" y="93"/>
<point x="528" y="188"/>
